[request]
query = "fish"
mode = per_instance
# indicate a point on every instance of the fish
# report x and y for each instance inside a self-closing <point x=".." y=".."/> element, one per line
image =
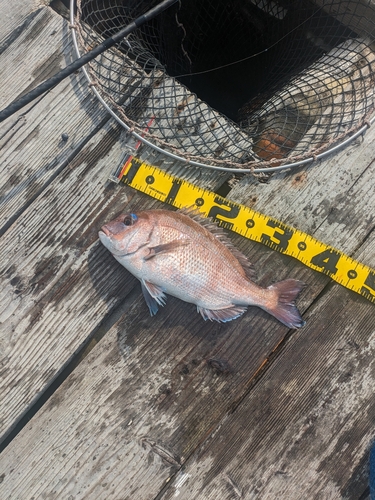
<point x="182" y="254"/>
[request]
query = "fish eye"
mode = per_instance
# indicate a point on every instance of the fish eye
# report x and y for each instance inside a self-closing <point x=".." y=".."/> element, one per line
<point x="130" y="219"/>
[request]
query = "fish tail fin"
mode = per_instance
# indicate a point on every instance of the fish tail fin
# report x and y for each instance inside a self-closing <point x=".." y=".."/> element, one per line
<point x="285" y="309"/>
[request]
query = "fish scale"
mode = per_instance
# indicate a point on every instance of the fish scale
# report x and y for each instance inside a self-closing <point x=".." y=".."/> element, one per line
<point x="181" y="254"/>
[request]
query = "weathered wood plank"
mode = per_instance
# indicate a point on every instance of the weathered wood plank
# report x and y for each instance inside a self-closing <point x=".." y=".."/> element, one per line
<point x="155" y="389"/>
<point x="135" y="410"/>
<point x="32" y="143"/>
<point x="134" y="407"/>
<point x="37" y="144"/>
<point x="35" y="55"/>
<point x="324" y="199"/>
<point x="47" y="268"/>
<point x="12" y="17"/>
<point x="53" y="293"/>
<point x="306" y="428"/>
<point x="33" y="149"/>
<point x="50" y="277"/>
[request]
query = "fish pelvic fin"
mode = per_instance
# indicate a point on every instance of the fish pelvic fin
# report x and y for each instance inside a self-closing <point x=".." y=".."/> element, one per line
<point x="285" y="309"/>
<point x="154" y="296"/>
<point x="222" y="315"/>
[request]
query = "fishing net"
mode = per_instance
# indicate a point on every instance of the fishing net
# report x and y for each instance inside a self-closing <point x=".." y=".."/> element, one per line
<point x="240" y="83"/>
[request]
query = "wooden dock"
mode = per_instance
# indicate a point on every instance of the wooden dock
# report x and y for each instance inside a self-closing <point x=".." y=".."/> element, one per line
<point x="101" y="401"/>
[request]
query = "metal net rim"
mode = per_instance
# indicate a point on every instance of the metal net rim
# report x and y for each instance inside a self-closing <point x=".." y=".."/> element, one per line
<point x="320" y="152"/>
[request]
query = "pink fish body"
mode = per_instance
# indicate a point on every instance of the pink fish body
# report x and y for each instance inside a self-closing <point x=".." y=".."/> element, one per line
<point x="181" y="254"/>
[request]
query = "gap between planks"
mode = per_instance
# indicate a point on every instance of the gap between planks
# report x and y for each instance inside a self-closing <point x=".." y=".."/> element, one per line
<point x="184" y="378"/>
<point x="306" y="429"/>
<point x="69" y="169"/>
<point x="171" y="459"/>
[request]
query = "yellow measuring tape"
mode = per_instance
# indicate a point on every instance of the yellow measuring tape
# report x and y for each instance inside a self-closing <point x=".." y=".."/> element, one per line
<point x="252" y="225"/>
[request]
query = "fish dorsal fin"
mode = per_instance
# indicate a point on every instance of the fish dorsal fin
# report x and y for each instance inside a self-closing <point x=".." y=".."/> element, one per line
<point x="217" y="231"/>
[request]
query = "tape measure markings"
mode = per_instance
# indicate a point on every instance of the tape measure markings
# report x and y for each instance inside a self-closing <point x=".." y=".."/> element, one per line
<point x="252" y="225"/>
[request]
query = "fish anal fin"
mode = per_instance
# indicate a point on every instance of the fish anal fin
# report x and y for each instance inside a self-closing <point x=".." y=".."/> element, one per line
<point x="154" y="296"/>
<point x="221" y="315"/>
<point x="166" y="248"/>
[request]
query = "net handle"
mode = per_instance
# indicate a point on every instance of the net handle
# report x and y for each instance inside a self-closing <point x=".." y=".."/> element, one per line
<point x="78" y="63"/>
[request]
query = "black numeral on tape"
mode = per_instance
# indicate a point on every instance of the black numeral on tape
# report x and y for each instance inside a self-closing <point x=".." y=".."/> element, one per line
<point x="226" y="209"/>
<point x="368" y="288"/>
<point x="282" y="235"/>
<point x="327" y="261"/>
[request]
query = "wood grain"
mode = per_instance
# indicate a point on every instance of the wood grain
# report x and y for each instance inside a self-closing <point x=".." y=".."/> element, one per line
<point x="13" y="18"/>
<point x="55" y="197"/>
<point x="134" y="410"/>
<point x="181" y="381"/>
<point x="42" y="42"/>
<point x="306" y="428"/>
<point x="40" y="140"/>
<point x="52" y="282"/>
<point x="173" y="406"/>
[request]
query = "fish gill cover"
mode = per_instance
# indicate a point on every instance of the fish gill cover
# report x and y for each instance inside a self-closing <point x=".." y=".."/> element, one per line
<point x="244" y="83"/>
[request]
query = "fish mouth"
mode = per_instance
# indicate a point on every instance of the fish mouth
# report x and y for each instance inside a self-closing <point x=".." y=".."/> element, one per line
<point x="106" y="231"/>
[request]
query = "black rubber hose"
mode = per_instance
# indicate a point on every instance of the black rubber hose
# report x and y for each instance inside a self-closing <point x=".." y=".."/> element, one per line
<point x="78" y="63"/>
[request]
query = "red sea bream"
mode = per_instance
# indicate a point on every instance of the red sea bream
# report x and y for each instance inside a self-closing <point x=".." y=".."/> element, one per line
<point x="181" y="254"/>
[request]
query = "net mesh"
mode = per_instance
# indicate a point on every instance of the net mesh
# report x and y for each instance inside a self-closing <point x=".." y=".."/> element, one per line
<point x="245" y="83"/>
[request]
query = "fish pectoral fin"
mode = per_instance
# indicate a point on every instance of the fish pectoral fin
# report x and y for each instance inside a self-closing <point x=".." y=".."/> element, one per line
<point x="166" y="247"/>
<point x="221" y="315"/>
<point x="154" y="296"/>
